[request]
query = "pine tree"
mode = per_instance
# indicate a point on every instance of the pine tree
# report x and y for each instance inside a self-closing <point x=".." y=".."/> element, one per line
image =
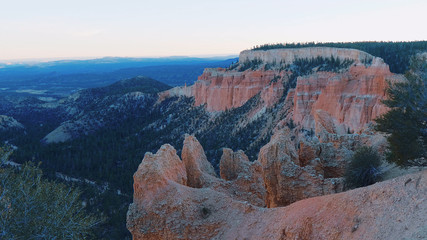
<point x="406" y="122"/>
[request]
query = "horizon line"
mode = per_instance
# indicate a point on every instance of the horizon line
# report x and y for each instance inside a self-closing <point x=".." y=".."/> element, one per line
<point x="54" y="59"/>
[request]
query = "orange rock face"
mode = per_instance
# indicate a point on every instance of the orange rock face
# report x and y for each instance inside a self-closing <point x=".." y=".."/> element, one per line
<point x="165" y="207"/>
<point x="342" y="101"/>
<point x="245" y="177"/>
<point x="340" y="94"/>
<point x="286" y="179"/>
<point x="246" y="183"/>
<point x="220" y="89"/>
<point x="199" y="171"/>
<point x="155" y="174"/>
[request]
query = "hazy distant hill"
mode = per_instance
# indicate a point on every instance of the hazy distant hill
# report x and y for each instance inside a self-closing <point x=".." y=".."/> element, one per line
<point x="64" y="77"/>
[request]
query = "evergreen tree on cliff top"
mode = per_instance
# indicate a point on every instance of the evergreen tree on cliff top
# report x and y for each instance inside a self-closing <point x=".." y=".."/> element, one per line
<point x="406" y="122"/>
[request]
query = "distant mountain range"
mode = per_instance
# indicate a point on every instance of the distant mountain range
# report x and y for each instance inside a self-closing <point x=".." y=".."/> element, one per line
<point x="66" y="76"/>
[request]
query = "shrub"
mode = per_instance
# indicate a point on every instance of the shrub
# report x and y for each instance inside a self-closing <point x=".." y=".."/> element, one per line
<point x="35" y="208"/>
<point x="363" y="168"/>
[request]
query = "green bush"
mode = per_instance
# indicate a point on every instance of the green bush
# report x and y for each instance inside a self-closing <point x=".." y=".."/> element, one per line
<point x="363" y="168"/>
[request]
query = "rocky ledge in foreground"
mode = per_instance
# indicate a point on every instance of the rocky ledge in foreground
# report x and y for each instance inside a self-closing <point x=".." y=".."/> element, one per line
<point x="176" y="199"/>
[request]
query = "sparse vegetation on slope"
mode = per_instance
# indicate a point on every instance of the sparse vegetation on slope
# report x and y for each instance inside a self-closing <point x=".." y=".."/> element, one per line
<point x="250" y="64"/>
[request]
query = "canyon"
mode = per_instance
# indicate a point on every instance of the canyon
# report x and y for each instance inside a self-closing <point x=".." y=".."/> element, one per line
<point x="321" y="104"/>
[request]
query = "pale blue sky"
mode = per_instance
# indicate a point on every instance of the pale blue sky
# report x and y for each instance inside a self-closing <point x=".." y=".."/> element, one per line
<point x="96" y="28"/>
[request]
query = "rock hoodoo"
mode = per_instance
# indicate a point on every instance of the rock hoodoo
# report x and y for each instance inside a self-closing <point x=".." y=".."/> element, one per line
<point x="286" y="179"/>
<point x="165" y="207"/>
<point x="199" y="171"/>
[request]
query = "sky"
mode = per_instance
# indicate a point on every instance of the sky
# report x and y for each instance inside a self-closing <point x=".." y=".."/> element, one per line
<point x="59" y="29"/>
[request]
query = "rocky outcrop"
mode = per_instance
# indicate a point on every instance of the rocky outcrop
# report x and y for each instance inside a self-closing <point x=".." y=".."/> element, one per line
<point x="8" y="123"/>
<point x="246" y="184"/>
<point x="163" y="173"/>
<point x="60" y="134"/>
<point x="287" y="179"/>
<point x="245" y="178"/>
<point x="176" y="92"/>
<point x="221" y="89"/>
<point x="156" y="174"/>
<point x="165" y="207"/>
<point x="342" y="102"/>
<point x="233" y="164"/>
<point x="160" y="169"/>
<point x="199" y="170"/>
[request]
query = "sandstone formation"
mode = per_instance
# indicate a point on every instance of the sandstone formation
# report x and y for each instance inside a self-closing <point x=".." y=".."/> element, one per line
<point x="165" y="207"/>
<point x="340" y="101"/>
<point x="155" y="175"/>
<point x="160" y="169"/>
<point x="248" y="185"/>
<point x="317" y="120"/>
<point x="287" y="179"/>
<point x="343" y="101"/>
<point x="231" y="164"/>
<point x="363" y="83"/>
<point x="200" y="171"/>
<point x="220" y="89"/>
<point x="244" y="178"/>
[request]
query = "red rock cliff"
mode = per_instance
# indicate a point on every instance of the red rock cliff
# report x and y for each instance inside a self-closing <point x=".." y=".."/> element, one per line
<point x="221" y="89"/>
<point x="338" y="93"/>
<point x="348" y="100"/>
